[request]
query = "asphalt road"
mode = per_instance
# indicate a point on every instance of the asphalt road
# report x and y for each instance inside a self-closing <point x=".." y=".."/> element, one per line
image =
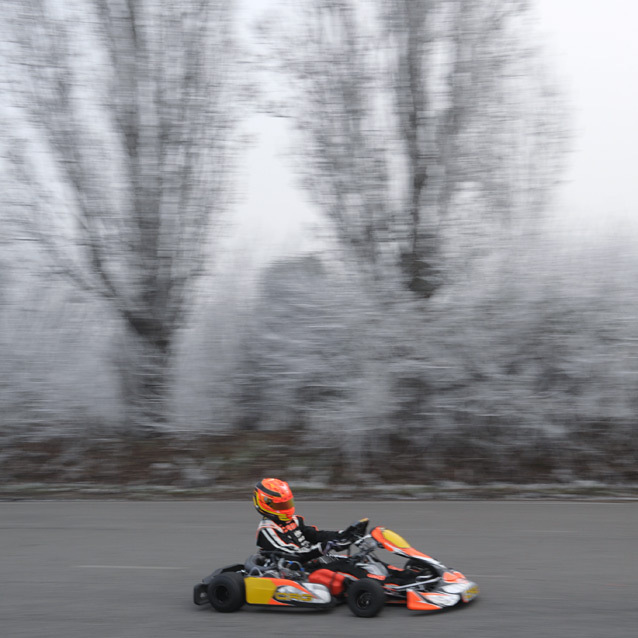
<point x="96" y="569"/>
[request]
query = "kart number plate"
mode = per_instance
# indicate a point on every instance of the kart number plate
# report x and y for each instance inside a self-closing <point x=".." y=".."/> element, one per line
<point x="470" y="593"/>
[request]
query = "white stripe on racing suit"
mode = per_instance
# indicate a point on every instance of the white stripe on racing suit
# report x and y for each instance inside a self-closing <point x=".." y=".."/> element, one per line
<point x="302" y="542"/>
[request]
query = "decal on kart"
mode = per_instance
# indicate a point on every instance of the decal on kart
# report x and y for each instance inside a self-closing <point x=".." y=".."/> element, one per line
<point x="307" y="594"/>
<point x="470" y="593"/>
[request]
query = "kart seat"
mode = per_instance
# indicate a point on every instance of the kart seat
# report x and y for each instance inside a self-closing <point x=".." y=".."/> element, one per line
<point x="256" y="565"/>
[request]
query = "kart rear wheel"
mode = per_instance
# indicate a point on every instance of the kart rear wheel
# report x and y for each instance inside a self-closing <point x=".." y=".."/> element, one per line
<point x="227" y="592"/>
<point x="366" y="598"/>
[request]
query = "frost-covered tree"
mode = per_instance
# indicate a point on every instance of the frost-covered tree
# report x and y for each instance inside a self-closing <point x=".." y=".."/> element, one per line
<point x="530" y="376"/>
<point x="117" y="121"/>
<point x="319" y="365"/>
<point x="418" y="116"/>
<point x="427" y="132"/>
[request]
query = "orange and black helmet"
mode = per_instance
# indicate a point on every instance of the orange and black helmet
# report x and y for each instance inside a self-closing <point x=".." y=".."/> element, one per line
<point x="273" y="499"/>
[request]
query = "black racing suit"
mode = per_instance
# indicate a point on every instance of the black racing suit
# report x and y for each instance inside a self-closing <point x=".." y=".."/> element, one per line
<point x="303" y="543"/>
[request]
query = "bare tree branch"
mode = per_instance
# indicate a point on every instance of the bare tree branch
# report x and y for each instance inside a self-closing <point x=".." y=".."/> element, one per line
<point x="451" y="125"/>
<point x="132" y="97"/>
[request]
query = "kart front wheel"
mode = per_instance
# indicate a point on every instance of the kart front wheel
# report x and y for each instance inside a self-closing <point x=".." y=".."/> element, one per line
<point x="366" y="598"/>
<point x="227" y="592"/>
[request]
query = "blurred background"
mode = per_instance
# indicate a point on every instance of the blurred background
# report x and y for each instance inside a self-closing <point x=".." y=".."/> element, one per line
<point x="342" y="242"/>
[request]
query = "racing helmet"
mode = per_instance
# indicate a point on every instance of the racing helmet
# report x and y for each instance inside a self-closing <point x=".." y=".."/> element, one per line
<point x="273" y="499"/>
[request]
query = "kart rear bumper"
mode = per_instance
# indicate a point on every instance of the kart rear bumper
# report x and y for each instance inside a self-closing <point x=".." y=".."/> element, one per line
<point x="200" y="594"/>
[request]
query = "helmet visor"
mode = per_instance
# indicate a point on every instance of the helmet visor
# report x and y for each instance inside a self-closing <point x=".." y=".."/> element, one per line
<point x="281" y="507"/>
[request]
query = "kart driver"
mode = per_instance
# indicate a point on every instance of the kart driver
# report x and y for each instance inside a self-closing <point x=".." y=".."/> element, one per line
<point x="283" y="531"/>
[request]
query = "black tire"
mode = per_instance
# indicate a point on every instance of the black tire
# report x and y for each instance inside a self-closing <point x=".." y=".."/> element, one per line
<point x="227" y="592"/>
<point x="365" y="597"/>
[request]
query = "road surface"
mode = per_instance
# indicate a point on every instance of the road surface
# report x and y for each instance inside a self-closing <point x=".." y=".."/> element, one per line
<point x="117" y="569"/>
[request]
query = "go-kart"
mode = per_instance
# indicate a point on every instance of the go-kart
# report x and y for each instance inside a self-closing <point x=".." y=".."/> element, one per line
<point x="269" y="578"/>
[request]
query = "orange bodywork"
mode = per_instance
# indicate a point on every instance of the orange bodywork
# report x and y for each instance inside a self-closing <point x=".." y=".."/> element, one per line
<point x="332" y="580"/>
<point x="452" y="577"/>
<point x="416" y="602"/>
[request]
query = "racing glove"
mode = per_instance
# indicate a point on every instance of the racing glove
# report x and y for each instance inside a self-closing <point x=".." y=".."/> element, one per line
<point x="336" y="544"/>
<point x="352" y="531"/>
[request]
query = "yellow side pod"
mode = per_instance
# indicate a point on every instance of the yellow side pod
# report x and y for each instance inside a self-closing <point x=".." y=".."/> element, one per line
<point x="259" y="591"/>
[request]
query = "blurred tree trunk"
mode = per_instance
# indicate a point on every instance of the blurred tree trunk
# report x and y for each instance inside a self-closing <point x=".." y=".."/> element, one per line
<point x="144" y="371"/>
<point x="121" y="136"/>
